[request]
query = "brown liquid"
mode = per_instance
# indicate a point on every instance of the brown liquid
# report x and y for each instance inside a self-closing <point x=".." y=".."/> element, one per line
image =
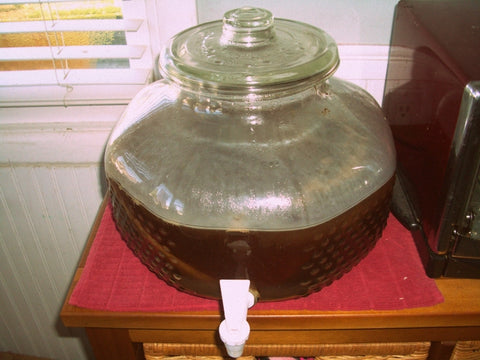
<point x="279" y="264"/>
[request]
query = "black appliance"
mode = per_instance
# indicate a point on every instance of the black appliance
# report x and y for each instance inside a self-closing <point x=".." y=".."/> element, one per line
<point x="432" y="102"/>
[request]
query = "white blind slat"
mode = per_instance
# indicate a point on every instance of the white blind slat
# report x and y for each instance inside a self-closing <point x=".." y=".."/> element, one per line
<point x="55" y="95"/>
<point x="76" y="77"/>
<point x="72" y="52"/>
<point x="70" y="25"/>
<point x="21" y="2"/>
<point x="112" y="86"/>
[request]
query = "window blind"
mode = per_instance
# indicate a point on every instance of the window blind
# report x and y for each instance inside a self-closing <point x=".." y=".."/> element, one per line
<point x="58" y="52"/>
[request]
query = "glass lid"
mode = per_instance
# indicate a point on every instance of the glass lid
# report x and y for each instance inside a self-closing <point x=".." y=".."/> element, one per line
<point x="249" y="48"/>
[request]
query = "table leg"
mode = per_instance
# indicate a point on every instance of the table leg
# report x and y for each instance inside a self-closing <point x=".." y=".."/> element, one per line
<point x="113" y="344"/>
<point x="441" y="350"/>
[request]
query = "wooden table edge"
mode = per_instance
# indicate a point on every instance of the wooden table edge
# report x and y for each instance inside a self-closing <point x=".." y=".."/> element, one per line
<point x="460" y="308"/>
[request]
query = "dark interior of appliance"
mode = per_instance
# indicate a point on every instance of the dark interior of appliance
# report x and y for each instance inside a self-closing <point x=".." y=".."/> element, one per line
<point x="433" y="64"/>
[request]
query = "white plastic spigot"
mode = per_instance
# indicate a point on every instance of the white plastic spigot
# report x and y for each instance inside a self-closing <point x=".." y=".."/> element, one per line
<point x="234" y="330"/>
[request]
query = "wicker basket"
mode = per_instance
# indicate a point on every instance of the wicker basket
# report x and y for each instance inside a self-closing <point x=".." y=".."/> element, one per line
<point x="466" y="350"/>
<point x="369" y="351"/>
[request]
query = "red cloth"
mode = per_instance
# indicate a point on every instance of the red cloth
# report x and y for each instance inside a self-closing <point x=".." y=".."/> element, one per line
<point x="391" y="277"/>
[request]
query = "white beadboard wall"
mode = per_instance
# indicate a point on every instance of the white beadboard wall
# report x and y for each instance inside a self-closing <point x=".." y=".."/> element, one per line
<point x="45" y="212"/>
<point x="51" y="184"/>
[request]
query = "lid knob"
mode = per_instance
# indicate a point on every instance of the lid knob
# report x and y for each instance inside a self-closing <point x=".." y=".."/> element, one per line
<point x="247" y="27"/>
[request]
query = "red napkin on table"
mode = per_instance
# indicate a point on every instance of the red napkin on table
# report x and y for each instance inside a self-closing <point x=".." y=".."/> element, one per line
<point x="391" y="277"/>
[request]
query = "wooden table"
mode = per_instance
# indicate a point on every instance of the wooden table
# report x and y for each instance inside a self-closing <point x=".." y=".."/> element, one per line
<point x="120" y="335"/>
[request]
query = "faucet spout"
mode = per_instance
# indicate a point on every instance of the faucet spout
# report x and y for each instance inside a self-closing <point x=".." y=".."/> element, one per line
<point x="234" y="330"/>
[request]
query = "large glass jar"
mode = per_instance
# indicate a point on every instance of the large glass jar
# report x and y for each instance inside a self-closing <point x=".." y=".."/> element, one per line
<point x="250" y="161"/>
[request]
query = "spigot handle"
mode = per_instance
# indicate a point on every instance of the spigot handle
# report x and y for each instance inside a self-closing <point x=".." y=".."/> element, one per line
<point x="234" y="330"/>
